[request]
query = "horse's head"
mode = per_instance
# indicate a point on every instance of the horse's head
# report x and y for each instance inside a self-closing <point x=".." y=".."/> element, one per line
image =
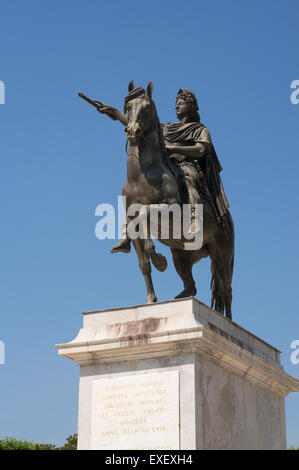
<point x="141" y="112"/>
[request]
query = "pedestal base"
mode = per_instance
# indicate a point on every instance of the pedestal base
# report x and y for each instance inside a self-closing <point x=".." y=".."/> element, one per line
<point x="176" y="375"/>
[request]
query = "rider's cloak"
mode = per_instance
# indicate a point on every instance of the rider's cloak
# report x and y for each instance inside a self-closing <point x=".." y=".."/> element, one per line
<point x="190" y="134"/>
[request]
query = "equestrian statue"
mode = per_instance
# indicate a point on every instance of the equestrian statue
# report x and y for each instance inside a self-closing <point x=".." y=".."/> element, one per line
<point x="173" y="165"/>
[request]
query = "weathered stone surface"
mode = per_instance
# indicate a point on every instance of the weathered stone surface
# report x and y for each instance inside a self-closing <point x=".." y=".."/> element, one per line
<point x="138" y="411"/>
<point x="231" y="387"/>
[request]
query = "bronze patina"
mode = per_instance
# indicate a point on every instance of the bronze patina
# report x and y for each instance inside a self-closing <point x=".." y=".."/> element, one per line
<point x="176" y="163"/>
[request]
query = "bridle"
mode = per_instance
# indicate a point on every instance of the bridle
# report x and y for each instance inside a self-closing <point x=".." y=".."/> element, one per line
<point x="142" y="136"/>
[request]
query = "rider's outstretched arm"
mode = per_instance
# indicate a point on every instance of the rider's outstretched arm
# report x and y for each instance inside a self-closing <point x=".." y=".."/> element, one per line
<point x="122" y="117"/>
<point x="113" y="113"/>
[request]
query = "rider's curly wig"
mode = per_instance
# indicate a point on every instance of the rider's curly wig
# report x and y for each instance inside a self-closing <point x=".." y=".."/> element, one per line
<point x="189" y="98"/>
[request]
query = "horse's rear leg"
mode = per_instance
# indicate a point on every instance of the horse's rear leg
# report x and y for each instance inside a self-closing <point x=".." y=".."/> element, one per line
<point x="183" y="264"/>
<point x="145" y="268"/>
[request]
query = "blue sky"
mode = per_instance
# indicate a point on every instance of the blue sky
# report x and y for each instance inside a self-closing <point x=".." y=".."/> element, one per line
<point x="60" y="159"/>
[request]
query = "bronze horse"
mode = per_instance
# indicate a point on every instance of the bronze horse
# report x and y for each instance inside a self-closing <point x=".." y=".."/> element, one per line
<point x="150" y="181"/>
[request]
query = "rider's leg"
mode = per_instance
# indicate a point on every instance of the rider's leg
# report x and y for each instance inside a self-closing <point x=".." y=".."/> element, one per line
<point x="193" y="196"/>
<point x="191" y="181"/>
<point x="194" y="181"/>
<point x="123" y="246"/>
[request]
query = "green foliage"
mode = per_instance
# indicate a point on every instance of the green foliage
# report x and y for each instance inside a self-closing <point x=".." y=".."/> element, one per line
<point x="293" y="448"/>
<point x="71" y="443"/>
<point x="11" y="443"/>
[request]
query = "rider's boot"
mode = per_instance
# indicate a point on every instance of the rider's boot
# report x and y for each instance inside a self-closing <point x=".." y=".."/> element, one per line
<point x="123" y="246"/>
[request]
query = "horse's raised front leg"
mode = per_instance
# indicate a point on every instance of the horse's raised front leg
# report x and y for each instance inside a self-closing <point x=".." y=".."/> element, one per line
<point x="145" y="268"/>
<point x="158" y="260"/>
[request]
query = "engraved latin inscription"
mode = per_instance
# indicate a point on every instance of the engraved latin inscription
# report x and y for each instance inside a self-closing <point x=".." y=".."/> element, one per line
<point x="136" y="412"/>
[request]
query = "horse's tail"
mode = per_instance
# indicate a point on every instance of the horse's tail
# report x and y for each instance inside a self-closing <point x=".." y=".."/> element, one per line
<point x="213" y="286"/>
<point x="221" y="291"/>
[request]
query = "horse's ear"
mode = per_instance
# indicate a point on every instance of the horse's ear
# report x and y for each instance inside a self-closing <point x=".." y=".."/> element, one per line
<point x="131" y="86"/>
<point x="149" y="90"/>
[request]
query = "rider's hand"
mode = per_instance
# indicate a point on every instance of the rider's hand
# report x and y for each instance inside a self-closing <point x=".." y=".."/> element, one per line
<point x="108" y="110"/>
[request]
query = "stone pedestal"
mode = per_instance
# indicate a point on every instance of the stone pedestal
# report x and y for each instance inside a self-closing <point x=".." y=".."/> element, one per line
<point x="176" y="375"/>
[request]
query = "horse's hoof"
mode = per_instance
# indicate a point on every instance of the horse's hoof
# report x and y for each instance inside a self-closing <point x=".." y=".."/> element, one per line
<point x="186" y="293"/>
<point x="151" y="299"/>
<point x="159" y="261"/>
<point x="229" y="315"/>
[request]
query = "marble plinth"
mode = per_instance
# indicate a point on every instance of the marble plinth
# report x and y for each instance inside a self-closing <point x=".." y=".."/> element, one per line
<point x="176" y="375"/>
